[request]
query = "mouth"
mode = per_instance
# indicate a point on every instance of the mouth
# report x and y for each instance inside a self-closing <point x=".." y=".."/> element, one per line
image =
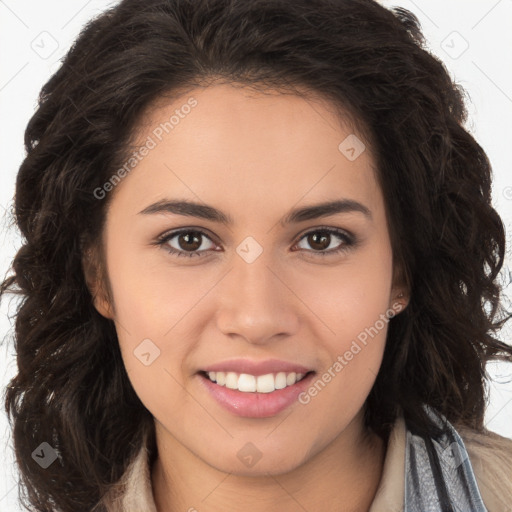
<point x="255" y="396"/>
<point x="247" y="383"/>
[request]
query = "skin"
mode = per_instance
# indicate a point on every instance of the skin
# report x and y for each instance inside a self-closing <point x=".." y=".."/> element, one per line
<point x="255" y="157"/>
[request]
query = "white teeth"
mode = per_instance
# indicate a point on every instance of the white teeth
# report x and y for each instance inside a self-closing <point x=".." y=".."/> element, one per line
<point x="265" y="383"/>
<point x="280" y="380"/>
<point x="232" y="380"/>
<point x="251" y="383"/>
<point x="246" y="382"/>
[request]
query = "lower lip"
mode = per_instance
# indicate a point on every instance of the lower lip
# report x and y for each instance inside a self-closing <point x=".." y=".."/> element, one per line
<point x="256" y="405"/>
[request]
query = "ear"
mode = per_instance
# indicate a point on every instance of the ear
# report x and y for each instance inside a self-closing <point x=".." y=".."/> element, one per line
<point x="399" y="299"/>
<point x="94" y="275"/>
<point x="400" y="293"/>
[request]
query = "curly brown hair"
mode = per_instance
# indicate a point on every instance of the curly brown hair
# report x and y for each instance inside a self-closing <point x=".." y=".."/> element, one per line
<point x="448" y="242"/>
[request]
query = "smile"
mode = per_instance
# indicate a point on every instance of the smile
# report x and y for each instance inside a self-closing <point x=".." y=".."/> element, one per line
<point x="251" y="383"/>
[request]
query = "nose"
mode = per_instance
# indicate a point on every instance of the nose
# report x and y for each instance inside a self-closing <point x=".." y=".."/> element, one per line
<point x="256" y="303"/>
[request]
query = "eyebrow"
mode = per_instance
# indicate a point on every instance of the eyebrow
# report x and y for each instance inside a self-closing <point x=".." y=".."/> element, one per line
<point x="202" y="211"/>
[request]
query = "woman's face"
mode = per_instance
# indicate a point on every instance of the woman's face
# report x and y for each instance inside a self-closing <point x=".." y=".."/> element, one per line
<point x="254" y="284"/>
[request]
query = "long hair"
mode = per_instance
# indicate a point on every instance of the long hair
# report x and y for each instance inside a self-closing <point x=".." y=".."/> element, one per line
<point x="71" y="390"/>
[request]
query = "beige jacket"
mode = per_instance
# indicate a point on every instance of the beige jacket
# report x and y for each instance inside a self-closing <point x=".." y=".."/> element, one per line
<point x="490" y="456"/>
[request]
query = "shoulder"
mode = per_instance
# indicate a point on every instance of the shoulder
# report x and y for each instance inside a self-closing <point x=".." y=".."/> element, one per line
<point x="491" y="459"/>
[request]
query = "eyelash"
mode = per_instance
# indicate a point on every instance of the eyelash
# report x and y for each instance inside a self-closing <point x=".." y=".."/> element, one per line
<point x="350" y="241"/>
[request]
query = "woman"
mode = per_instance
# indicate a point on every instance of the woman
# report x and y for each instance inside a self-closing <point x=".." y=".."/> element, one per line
<point x="259" y="269"/>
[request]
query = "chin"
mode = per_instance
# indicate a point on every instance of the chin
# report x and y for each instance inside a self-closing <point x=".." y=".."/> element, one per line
<point x="265" y="466"/>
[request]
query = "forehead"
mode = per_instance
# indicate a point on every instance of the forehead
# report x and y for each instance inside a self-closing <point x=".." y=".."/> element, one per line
<point x="250" y="149"/>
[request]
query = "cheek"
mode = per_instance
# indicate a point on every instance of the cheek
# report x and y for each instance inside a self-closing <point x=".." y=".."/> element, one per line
<point x="150" y="307"/>
<point x="352" y="303"/>
<point x="152" y="339"/>
<point x="151" y="294"/>
<point x="350" y="297"/>
<point x="353" y="356"/>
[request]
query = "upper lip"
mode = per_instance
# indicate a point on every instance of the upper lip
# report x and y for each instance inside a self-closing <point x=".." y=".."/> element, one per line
<point x="256" y="368"/>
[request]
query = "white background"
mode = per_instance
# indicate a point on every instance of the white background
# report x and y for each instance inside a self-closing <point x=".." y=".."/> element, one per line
<point x="472" y="37"/>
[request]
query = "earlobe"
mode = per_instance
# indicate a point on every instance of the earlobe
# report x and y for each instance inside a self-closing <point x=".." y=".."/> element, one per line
<point x="400" y="290"/>
<point x="399" y="301"/>
<point x="95" y="285"/>
<point x="102" y="305"/>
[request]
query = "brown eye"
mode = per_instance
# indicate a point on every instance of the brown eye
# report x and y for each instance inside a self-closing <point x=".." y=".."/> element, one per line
<point x="319" y="242"/>
<point x="322" y="239"/>
<point x="186" y="243"/>
<point x="190" y="241"/>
